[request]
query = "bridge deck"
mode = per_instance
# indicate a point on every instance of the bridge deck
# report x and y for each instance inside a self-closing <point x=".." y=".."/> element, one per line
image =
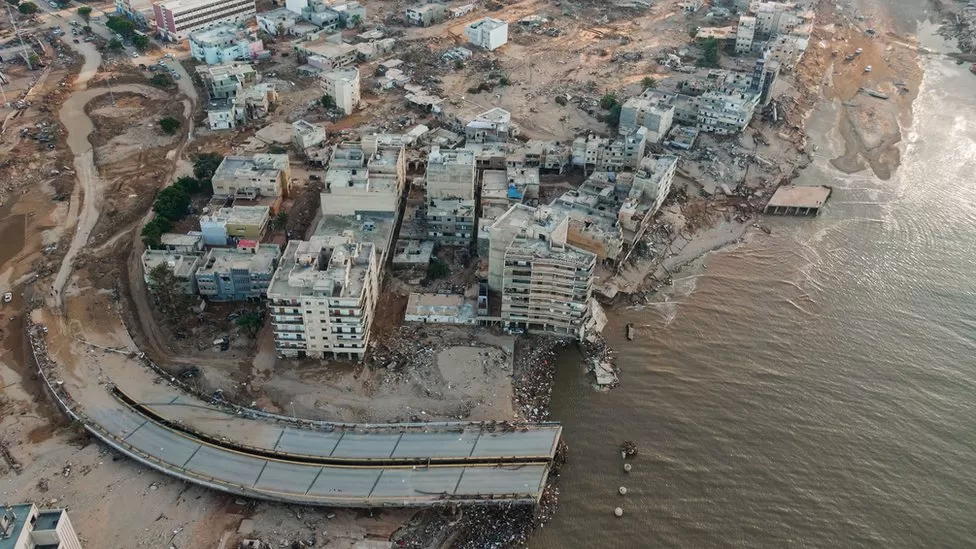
<point x="293" y="481"/>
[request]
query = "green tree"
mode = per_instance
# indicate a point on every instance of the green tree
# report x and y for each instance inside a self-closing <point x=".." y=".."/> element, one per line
<point x="250" y="323"/>
<point x="172" y="203"/>
<point x="608" y="101"/>
<point x="34" y="59"/>
<point x="153" y="231"/>
<point x="327" y="101"/>
<point x="280" y="221"/>
<point x="561" y="100"/>
<point x="121" y="25"/>
<point x="613" y="118"/>
<point x="115" y="44"/>
<point x="169" y="125"/>
<point x="280" y="30"/>
<point x="205" y="166"/>
<point x="437" y="269"/>
<point x="649" y="82"/>
<point x="140" y="42"/>
<point x="172" y="301"/>
<point x="27" y="8"/>
<point x="161" y="80"/>
<point x="190" y="185"/>
<point x="85" y="12"/>
<point x="710" y="53"/>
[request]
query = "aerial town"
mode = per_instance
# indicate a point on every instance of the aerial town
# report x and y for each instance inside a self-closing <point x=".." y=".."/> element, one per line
<point x="296" y="274"/>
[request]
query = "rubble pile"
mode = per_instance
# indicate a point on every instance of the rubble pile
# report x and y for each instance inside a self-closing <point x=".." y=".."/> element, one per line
<point x="535" y="369"/>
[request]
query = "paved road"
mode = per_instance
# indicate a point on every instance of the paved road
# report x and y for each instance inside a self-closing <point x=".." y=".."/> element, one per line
<point x="294" y="481"/>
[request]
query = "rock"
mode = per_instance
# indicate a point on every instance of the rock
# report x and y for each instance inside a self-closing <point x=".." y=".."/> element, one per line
<point x="622" y="490"/>
<point x="618" y="512"/>
<point x="627" y="467"/>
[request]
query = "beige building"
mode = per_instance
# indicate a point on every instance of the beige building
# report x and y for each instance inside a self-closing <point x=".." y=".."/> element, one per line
<point x="545" y="283"/>
<point x="450" y="174"/>
<point x="24" y="526"/>
<point x="263" y="175"/>
<point x="343" y="87"/>
<point x="323" y="296"/>
<point x="361" y="182"/>
<point x="234" y="222"/>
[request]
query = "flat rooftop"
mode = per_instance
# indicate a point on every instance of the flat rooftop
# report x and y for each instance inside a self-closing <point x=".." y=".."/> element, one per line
<point x="180" y="240"/>
<point x="452" y="305"/>
<point x="220" y="34"/>
<point x="182" y="264"/>
<point x="259" y="259"/>
<point x="372" y="227"/>
<point x="799" y="196"/>
<point x="243" y="215"/>
<point x="259" y="165"/>
<point x="488" y="23"/>
<point x="19" y="514"/>
<point x="325" y="266"/>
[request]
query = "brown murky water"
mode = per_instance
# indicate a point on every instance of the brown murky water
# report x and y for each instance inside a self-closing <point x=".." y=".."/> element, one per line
<point x="814" y="388"/>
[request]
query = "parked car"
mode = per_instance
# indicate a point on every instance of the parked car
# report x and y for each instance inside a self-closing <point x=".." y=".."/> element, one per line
<point x="134" y="54"/>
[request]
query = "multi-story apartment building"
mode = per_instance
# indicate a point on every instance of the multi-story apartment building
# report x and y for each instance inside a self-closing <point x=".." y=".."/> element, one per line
<point x="450" y="201"/>
<point x="604" y="154"/>
<point x="745" y="35"/>
<point x="263" y="175"/>
<point x="237" y="274"/>
<point x="228" y="79"/>
<point x="650" y="110"/>
<point x="545" y="283"/>
<point x="361" y="182"/>
<point x="450" y="173"/>
<point x="176" y="19"/>
<point x="489" y="34"/>
<point x="492" y="125"/>
<point x="24" y="526"/>
<point x="342" y="86"/>
<point x="225" y="225"/>
<point x="223" y="44"/>
<point x="323" y="297"/>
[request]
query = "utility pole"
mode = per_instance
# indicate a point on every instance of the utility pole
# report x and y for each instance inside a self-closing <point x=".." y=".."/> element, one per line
<point x="17" y="32"/>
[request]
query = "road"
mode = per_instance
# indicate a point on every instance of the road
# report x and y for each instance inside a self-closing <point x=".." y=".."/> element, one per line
<point x="86" y="196"/>
<point x="312" y="484"/>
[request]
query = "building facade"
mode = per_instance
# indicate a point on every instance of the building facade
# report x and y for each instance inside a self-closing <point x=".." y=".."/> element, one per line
<point x="176" y="19"/>
<point x="237" y="274"/>
<point x="223" y="44"/>
<point x="262" y="175"/>
<point x="545" y="283"/>
<point x="489" y="34"/>
<point x="323" y="297"/>
<point x="184" y="267"/>
<point x="343" y="87"/>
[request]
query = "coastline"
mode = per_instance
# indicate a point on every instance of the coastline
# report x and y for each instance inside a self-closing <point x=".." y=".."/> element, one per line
<point x="870" y="128"/>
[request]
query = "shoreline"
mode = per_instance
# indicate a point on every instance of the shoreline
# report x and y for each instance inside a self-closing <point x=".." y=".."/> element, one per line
<point x="819" y="79"/>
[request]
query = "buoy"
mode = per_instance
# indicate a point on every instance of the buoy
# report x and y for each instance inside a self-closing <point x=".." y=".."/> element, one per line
<point x="626" y="467"/>
<point x="622" y="490"/>
<point x="618" y="512"/>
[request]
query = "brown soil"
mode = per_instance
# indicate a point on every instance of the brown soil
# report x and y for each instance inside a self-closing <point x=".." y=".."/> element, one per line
<point x="131" y="154"/>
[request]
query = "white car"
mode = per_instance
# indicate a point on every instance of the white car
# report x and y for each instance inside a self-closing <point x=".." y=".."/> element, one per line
<point x="8" y="297"/>
<point x="134" y="54"/>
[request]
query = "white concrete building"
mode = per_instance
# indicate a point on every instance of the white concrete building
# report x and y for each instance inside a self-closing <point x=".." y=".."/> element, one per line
<point x="323" y="296"/>
<point x="545" y="282"/>
<point x="24" y="526"/>
<point x="492" y="125"/>
<point x="223" y="44"/>
<point x="439" y="309"/>
<point x="306" y="135"/>
<point x="278" y="22"/>
<point x="745" y="35"/>
<point x="650" y="110"/>
<point x="176" y="19"/>
<point x="262" y="175"/>
<point x="363" y="182"/>
<point x="488" y="33"/>
<point x="343" y="87"/>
